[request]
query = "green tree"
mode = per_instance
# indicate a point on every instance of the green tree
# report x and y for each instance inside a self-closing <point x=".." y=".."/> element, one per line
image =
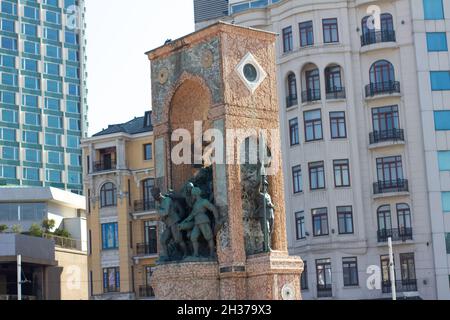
<point x="17" y="228"/>
<point x="48" y="224"/>
<point x="35" y="230"/>
<point x="62" y="233"/>
<point x="3" y="228"/>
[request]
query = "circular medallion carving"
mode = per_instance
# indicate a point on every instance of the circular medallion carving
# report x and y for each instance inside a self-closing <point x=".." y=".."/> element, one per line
<point x="207" y="59"/>
<point x="288" y="292"/>
<point x="250" y="72"/>
<point x="163" y="75"/>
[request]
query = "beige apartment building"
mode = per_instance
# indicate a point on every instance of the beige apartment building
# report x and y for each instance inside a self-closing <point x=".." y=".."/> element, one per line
<point x="122" y="227"/>
<point x="356" y="110"/>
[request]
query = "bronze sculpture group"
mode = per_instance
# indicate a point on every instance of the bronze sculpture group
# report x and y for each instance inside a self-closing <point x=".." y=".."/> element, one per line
<point x="192" y="221"/>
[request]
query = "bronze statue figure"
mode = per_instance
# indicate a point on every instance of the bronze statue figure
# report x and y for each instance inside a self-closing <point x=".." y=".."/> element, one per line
<point x="265" y="214"/>
<point x="171" y="213"/>
<point x="199" y="220"/>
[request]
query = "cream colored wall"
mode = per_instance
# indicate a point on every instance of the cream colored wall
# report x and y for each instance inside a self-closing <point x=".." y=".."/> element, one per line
<point x="74" y="276"/>
<point x="137" y="166"/>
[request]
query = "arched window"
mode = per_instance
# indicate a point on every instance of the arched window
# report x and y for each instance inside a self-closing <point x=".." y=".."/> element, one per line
<point x="291" y="90"/>
<point x="371" y="35"/>
<point x="108" y="195"/>
<point x="311" y="82"/>
<point x="404" y="218"/>
<point x="382" y="72"/>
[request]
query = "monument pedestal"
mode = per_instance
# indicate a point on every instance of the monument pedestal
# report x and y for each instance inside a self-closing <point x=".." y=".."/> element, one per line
<point x="271" y="276"/>
<point x="187" y="281"/>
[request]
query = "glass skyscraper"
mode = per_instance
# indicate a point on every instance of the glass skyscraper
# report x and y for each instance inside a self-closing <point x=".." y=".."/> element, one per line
<point x="43" y="109"/>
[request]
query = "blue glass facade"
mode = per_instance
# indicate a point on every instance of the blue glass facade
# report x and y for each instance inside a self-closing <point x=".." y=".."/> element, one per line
<point x="42" y="93"/>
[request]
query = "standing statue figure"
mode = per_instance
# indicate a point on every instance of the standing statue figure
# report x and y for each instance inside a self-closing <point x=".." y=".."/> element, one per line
<point x="199" y="220"/>
<point x="265" y="214"/>
<point x="170" y="213"/>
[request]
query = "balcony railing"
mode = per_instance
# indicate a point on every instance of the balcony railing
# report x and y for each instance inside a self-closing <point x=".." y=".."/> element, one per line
<point x="373" y="37"/>
<point x="400" y="185"/>
<point x="291" y="100"/>
<point x="144" y="206"/>
<point x="65" y="243"/>
<point x="104" y="166"/>
<point x="311" y="95"/>
<point x="336" y="93"/>
<point x="146" y="292"/>
<point x="387" y="135"/>
<point x="400" y="234"/>
<point x="408" y="285"/>
<point x="386" y="87"/>
<point x="324" y="291"/>
<point x="8" y="297"/>
<point x="147" y="249"/>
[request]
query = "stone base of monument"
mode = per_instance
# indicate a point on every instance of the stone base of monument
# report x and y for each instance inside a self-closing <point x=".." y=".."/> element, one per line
<point x="269" y="276"/>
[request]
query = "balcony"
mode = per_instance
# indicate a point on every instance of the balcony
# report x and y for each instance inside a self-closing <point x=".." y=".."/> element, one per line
<point x="377" y="37"/>
<point x="382" y="88"/>
<point x="400" y="234"/>
<point x="64" y="243"/>
<point x="311" y="95"/>
<point x="101" y="166"/>
<point x="146" y="292"/>
<point x="387" y="135"/>
<point x="400" y="185"/>
<point x="147" y="249"/>
<point x="144" y="206"/>
<point x="291" y="100"/>
<point x="324" y="291"/>
<point x="336" y="93"/>
<point x="408" y="285"/>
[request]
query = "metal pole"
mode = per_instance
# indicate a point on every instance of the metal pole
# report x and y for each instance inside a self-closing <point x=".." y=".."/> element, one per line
<point x="391" y="269"/>
<point x="19" y="277"/>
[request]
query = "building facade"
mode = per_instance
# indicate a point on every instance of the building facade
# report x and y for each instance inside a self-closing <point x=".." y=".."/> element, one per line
<point x="54" y="267"/>
<point x="43" y="110"/>
<point x="122" y="221"/>
<point x="356" y="110"/>
<point x="431" y="35"/>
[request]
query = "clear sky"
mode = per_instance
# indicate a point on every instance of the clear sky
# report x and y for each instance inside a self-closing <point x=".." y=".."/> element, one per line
<point x="118" y="34"/>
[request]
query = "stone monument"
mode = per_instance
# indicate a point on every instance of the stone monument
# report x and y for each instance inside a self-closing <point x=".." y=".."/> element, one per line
<point x="222" y="218"/>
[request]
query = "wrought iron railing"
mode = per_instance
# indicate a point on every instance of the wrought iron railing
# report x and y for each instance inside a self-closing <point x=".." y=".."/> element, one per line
<point x="387" y="135"/>
<point x="291" y="100"/>
<point x="144" y="205"/>
<point x="407" y="285"/>
<point x="386" y="87"/>
<point x="311" y="95"/>
<point x="146" y="292"/>
<point x="400" y="234"/>
<point x="324" y="291"/>
<point x="373" y="37"/>
<point x="147" y="249"/>
<point x="336" y="93"/>
<point x="100" y="166"/>
<point x="400" y="185"/>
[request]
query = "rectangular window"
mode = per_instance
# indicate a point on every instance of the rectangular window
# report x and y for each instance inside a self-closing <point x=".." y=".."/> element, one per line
<point x="447" y="242"/>
<point x="30" y="101"/>
<point x="111" y="280"/>
<point x="293" y="132"/>
<point x="7" y="172"/>
<point x="446" y="201"/>
<point x="110" y="236"/>
<point x="54" y="176"/>
<point x="444" y="160"/>
<point x="408" y="266"/>
<point x="338" y="125"/>
<point x="148" y="152"/>
<point x="304" y="277"/>
<point x="31" y="174"/>
<point x="32" y="155"/>
<point x="345" y="219"/>
<point x="320" y="222"/>
<point x="313" y="125"/>
<point x="440" y="80"/>
<point x="390" y="169"/>
<point x="437" y="41"/>
<point x="317" y="175"/>
<point x="10" y="153"/>
<point x="442" y="120"/>
<point x="297" y="179"/>
<point x="30" y="137"/>
<point x="306" y="34"/>
<point x="287" y="39"/>
<point x="324" y="278"/>
<point x="350" y="270"/>
<point x="341" y="173"/>
<point x="330" y="30"/>
<point x="55" y="158"/>
<point x="433" y="9"/>
<point x="300" y="225"/>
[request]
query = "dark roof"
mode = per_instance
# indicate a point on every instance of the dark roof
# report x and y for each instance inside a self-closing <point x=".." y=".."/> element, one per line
<point x="135" y="126"/>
